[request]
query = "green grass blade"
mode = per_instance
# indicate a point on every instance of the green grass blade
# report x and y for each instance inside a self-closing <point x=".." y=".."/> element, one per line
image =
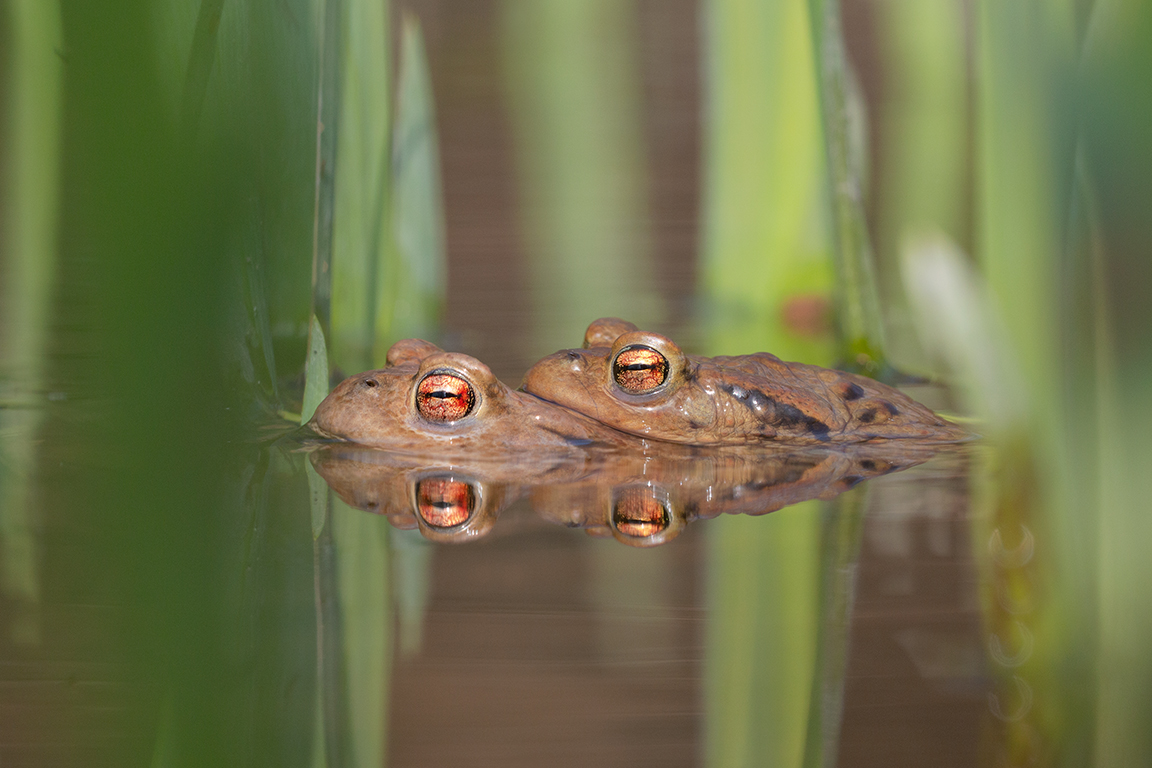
<point x="315" y="372"/>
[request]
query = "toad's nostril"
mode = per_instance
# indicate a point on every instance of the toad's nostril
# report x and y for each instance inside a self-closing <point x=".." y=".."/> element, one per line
<point x="573" y="355"/>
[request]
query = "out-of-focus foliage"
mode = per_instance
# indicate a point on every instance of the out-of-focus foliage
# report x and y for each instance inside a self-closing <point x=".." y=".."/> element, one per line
<point x="29" y="216"/>
<point x="766" y="271"/>
<point x="575" y="99"/>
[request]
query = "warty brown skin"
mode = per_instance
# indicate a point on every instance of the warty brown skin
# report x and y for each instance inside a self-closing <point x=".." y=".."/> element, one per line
<point x="729" y="400"/>
<point x="379" y="408"/>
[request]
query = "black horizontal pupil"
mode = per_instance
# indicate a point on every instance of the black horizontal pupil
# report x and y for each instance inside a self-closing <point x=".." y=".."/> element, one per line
<point x="442" y="394"/>
<point x="639" y="367"/>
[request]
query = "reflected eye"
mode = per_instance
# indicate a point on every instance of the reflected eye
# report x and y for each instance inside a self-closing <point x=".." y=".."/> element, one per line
<point x="637" y="513"/>
<point x="444" y="397"/>
<point x="639" y="370"/>
<point x="443" y="502"/>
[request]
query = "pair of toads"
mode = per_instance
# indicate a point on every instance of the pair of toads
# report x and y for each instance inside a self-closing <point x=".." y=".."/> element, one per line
<point x="622" y="385"/>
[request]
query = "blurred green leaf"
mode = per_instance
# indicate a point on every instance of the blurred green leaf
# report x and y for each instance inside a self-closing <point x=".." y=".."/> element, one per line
<point x="29" y="211"/>
<point x="765" y="251"/>
<point x="575" y="91"/>
<point x="925" y="154"/>
<point x="361" y="245"/>
<point x="412" y="290"/>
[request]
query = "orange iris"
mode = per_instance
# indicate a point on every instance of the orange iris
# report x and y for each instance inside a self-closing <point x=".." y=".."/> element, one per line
<point x="444" y="397"/>
<point x="639" y="370"/>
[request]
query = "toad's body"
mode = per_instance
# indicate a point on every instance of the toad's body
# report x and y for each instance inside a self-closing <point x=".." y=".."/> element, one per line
<point x="428" y="400"/>
<point x="641" y="383"/>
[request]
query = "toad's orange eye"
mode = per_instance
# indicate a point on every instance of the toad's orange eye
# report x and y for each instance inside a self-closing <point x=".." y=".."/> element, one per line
<point x="640" y="370"/>
<point x="637" y="513"/>
<point x="443" y="502"/>
<point x="444" y="397"/>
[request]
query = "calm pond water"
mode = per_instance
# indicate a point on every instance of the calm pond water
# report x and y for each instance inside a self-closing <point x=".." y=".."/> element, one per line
<point x="186" y="580"/>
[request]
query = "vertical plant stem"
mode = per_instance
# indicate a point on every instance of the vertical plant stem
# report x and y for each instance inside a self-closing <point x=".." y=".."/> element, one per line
<point x="574" y="88"/>
<point x="765" y="251"/>
<point x="925" y="160"/>
<point x="28" y="263"/>
<point x="327" y="131"/>
<point x="860" y="325"/>
<point x="1116" y="117"/>
<point x="361" y="234"/>
<point x="411" y="286"/>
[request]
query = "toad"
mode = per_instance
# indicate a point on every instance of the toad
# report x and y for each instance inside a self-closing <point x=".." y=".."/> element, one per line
<point x="642" y="383"/>
<point x="428" y="400"/>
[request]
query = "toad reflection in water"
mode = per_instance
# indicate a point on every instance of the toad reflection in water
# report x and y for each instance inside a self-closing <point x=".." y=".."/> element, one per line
<point x="641" y="498"/>
<point x="643" y="384"/>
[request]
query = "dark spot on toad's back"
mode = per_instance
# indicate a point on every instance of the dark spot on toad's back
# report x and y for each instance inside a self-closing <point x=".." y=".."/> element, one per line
<point x="787" y="415"/>
<point x="852" y="391"/>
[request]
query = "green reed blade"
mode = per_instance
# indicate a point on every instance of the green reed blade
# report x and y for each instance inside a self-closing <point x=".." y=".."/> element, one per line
<point x="574" y="86"/>
<point x="328" y="88"/>
<point x="1117" y="142"/>
<point x="1020" y="166"/>
<point x="361" y="233"/>
<point x="925" y="151"/>
<point x="860" y="325"/>
<point x="766" y="281"/>
<point x="766" y="272"/>
<point x="28" y="261"/>
<point x="412" y="289"/>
